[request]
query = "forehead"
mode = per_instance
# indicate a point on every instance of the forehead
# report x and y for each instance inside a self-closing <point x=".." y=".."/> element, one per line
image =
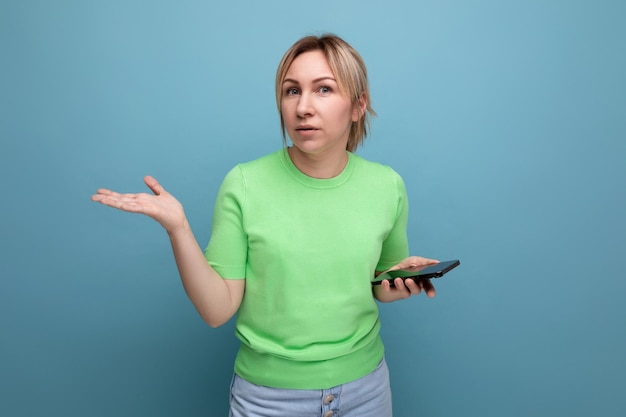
<point x="309" y="65"/>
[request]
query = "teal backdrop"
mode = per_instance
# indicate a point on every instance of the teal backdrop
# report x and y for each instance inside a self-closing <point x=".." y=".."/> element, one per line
<point x="507" y="120"/>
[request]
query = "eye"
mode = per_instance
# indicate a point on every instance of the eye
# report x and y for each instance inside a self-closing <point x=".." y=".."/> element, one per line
<point x="291" y="91"/>
<point x="325" y="89"/>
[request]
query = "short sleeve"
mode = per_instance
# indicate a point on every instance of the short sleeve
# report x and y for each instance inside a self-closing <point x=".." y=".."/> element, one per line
<point x="228" y="245"/>
<point x="395" y="246"/>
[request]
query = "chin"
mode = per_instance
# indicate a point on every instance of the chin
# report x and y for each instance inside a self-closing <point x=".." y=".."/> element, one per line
<point x="307" y="147"/>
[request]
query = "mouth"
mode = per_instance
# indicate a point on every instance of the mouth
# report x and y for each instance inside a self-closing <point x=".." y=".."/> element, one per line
<point x="305" y="128"/>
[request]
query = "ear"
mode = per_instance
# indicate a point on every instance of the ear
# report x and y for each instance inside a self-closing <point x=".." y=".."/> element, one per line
<point x="360" y="106"/>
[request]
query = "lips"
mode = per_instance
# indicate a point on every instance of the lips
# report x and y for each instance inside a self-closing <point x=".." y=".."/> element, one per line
<point x="305" y="128"/>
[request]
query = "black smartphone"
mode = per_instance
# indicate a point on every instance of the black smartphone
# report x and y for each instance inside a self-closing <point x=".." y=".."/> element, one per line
<point x="433" y="271"/>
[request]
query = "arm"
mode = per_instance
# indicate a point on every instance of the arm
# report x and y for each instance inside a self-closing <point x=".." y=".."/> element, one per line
<point x="404" y="289"/>
<point x="215" y="298"/>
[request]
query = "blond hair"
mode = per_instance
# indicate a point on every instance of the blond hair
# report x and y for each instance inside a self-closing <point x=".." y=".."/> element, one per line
<point x="348" y="68"/>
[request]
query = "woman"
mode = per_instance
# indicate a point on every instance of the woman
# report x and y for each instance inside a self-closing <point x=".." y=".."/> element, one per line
<point x="304" y="231"/>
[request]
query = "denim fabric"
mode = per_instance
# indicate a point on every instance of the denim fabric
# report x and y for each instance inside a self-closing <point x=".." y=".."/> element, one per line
<point x="369" y="396"/>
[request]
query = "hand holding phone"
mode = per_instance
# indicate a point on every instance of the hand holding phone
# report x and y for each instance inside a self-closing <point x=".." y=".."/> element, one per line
<point x="433" y="271"/>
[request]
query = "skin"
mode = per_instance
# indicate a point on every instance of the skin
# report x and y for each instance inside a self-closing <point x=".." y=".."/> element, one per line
<point x="215" y="298"/>
<point x="318" y="119"/>
<point x="406" y="288"/>
<point x="312" y="100"/>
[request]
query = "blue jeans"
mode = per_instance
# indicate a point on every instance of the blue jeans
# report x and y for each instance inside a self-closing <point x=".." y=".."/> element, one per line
<point x="368" y="396"/>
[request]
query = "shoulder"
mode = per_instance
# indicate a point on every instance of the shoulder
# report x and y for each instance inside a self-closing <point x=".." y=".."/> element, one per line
<point x="263" y="170"/>
<point x="375" y="171"/>
<point x="257" y="165"/>
<point x="262" y="163"/>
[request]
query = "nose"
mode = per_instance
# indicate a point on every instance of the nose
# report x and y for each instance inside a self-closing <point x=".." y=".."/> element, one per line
<point x="305" y="106"/>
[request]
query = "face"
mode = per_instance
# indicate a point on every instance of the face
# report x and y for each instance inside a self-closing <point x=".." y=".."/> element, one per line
<point x="317" y="116"/>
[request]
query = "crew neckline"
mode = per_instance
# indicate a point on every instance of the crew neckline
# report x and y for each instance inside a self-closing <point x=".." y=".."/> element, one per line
<point x="302" y="178"/>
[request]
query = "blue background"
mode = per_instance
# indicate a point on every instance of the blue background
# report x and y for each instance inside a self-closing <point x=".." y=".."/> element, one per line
<point x="506" y="119"/>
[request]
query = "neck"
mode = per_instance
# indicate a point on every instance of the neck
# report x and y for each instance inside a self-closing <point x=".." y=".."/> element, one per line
<point x="318" y="166"/>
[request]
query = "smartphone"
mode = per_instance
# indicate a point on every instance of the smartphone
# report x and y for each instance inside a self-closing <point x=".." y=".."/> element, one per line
<point x="433" y="271"/>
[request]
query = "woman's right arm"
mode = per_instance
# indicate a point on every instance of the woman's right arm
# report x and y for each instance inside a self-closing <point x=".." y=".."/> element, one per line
<point x="215" y="298"/>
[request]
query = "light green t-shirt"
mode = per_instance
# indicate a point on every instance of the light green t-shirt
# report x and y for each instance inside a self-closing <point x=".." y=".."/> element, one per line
<point x="308" y="249"/>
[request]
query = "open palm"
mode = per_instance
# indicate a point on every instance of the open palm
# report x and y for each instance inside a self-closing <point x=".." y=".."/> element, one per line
<point x="160" y="205"/>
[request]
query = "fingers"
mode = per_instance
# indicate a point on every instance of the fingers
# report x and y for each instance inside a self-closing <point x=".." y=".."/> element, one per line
<point x="414" y="263"/>
<point x="414" y="286"/>
<point x="402" y="288"/>
<point x="103" y="194"/>
<point x="419" y="285"/>
<point x="127" y="202"/>
<point x="427" y="287"/>
<point x="154" y="185"/>
<point x="396" y="286"/>
<point x="408" y="287"/>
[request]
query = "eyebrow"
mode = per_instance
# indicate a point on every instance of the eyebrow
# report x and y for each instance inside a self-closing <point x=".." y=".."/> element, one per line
<point x="291" y="80"/>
